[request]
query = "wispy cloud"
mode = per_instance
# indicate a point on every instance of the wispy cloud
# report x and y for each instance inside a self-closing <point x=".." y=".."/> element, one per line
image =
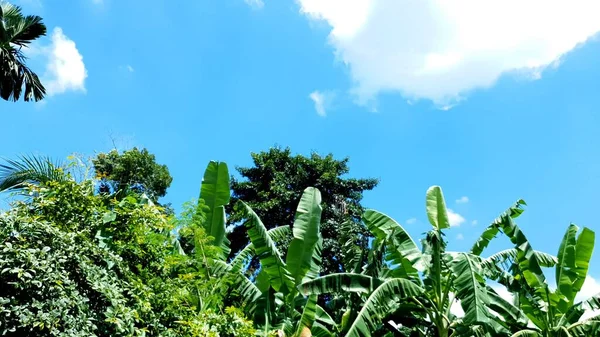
<point x="474" y="222"/>
<point x="257" y="4"/>
<point x="65" y="70"/>
<point x="322" y="101"/>
<point x="411" y="221"/>
<point x="454" y="218"/>
<point x="460" y="236"/>
<point x="462" y="200"/>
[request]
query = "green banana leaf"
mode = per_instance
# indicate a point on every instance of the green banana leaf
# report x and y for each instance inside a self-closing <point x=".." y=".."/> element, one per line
<point x="341" y="282"/>
<point x="215" y="193"/>
<point x="436" y="208"/>
<point x="270" y="259"/>
<point x="301" y="261"/>
<point x="470" y="288"/>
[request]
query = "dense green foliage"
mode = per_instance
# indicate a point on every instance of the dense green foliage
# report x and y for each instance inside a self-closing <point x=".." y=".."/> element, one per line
<point x="131" y="170"/>
<point x="75" y="261"/>
<point x="273" y="186"/>
<point x="17" y="31"/>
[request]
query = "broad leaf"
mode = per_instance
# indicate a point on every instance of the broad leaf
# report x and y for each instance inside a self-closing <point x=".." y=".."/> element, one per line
<point x="565" y="270"/>
<point x="279" y="277"/>
<point x="308" y="316"/>
<point x="401" y="251"/>
<point x="300" y="260"/>
<point x="337" y="283"/>
<point x="215" y="193"/>
<point x="470" y="287"/>
<point x="490" y="232"/>
<point x="245" y="255"/>
<point x="436" y="208"/>
<point x="380" y="304"/>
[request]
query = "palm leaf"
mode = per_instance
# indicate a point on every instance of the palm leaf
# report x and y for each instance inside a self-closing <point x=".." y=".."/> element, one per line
<point x="16" y="173"/>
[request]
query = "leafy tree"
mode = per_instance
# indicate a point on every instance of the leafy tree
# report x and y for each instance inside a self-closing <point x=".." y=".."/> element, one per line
<point x="132" y="170"/>
<point x="273" y="186"/>
<point x="17" y="31"/>
<point x="77" y="263"/>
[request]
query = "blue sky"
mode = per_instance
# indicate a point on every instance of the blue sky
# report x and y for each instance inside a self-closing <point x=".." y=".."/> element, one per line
<point x="414" y="95"/>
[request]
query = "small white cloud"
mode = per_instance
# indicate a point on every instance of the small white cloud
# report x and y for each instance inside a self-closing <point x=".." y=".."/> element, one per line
<point x="256" y="4"/>
<point x="322" y="101"/>
<point x="462" y="200"/>
<point x="129" y="68"/>
<point x="460" y="236"/>
<point x="65" y="70"/>
<point x="411" y="221"/>
<point x="474" y="222"/>
<point x="456" y="308"/>
<point x="455" y="219"/>
<point x="442" y="50"/>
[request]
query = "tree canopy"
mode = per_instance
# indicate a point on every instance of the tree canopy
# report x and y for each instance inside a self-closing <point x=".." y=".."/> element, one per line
<point x="132" y="170"/>
<point x="274" y="184"/>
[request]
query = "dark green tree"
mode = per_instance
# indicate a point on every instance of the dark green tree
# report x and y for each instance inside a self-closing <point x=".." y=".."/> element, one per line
<point x="273" y="186"/>
<point x="16" y="32"/>
<point x="133" y="170"/>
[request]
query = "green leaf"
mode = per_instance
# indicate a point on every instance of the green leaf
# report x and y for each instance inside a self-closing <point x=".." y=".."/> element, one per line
<point x="470" y="287"/>
<point x="109" y="216"/>
<point x="338" y="283"/>
<point x="279" y="277"/>
<point x="215" y="193"/>
<point x="379" y="304"/>
<point x="245" y="255"/>
<point x="583" y="254"/>
<point x="401" y="250"/>
<point x="436" y="208"/>
<point x="308" y="315"/>
<point x="300" y="260"/>
<point x="490" y="232"/>
<point x="565" y="270"/>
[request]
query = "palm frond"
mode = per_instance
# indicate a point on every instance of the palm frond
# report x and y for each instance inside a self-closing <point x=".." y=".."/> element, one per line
<point x="29" y="169"/>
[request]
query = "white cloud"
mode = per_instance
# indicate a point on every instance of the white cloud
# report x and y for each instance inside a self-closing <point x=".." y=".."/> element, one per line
<point x="441" y="50"/>
<point x="322" y="101"/>
<point x="130" y="68"/>
<point x="460" y="236"/>
<point x="454" y="218"/>
<point x="257" y="4"/>
<point x="590" y="288"/>
<point x="462" y="200"/>
<point x="411" y="221"/>
<point x="65" y="70"/>
<point x="474" y="222"/>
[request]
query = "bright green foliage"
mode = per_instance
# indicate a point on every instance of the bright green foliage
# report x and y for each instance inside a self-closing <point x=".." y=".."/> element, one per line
<point x="273" y="185"/>
<point x="281" y="306"/>
<point x="132" y="170"/>
<point x="552" y="313"/>
<point x="17" y="31"/>
<point x="73" y="263"/>
<point x="15" y="174"/>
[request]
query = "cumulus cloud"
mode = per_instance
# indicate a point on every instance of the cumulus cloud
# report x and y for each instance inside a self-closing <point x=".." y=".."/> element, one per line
<point x="257" y="4"/>
<point x="462" y="200"/>
<point x="65" y="70"/>
<point x="322" y="101"/>
<point x="441" y="50"/>
<point x="454" y="218"/>
<point x="411" y="221"/>
<point x="591" y="287"/>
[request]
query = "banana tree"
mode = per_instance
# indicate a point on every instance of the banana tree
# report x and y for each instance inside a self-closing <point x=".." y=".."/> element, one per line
<point x="536" y="309"/>
<point x="418" y="286"/>
<point x="281" y="306"/>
